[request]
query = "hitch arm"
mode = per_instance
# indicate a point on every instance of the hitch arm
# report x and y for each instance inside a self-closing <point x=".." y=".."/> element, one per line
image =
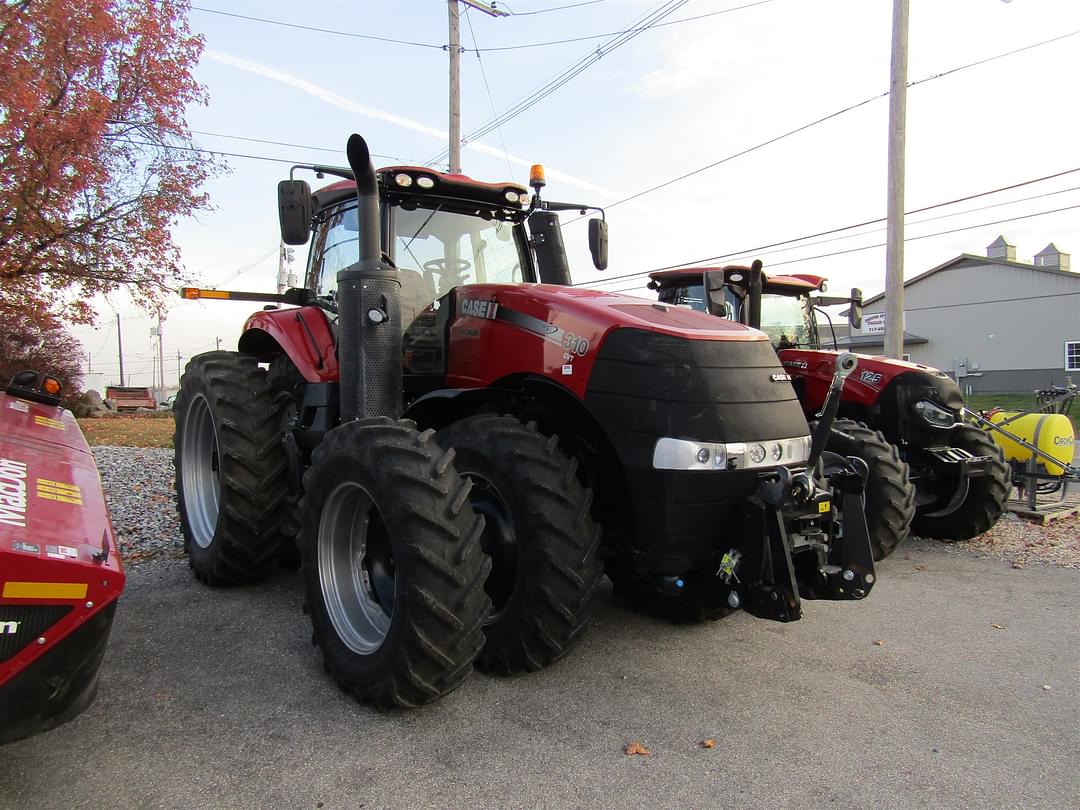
<point x="845" y="364"/>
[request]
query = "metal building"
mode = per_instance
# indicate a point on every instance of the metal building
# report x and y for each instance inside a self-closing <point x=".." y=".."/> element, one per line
<point x="993" y="323"/>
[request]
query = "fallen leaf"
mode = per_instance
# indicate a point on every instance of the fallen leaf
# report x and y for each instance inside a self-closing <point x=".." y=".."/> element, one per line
<point x="1018" y="564"/>
<point x="636" y="748"/>
<point x="879" y="643"/>
<point x="998" y="626"/>
<point x="1046" y="687"/>
<point x="708" y="743"/>
<point x="920" y="567"/>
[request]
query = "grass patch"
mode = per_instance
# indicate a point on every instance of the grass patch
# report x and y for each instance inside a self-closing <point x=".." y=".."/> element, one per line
<point x="135" y="430"/>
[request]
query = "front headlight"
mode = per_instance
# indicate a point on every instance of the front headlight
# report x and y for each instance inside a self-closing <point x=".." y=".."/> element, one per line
<point x="684" y="454"/>
<point x="934" y="413"/>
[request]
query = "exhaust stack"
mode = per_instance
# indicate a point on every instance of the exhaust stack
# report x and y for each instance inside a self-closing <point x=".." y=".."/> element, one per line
<point x="369" y="308"/>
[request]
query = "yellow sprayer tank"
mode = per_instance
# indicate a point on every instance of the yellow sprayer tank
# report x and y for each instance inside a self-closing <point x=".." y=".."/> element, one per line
<point x="1050" y="432"/>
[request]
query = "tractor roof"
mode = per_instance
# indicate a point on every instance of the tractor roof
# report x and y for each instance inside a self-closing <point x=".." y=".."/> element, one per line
<point x="797" y="284"/>
<point x="441" y="186"/>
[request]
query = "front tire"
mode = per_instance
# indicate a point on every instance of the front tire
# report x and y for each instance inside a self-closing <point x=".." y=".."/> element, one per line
<point x="392" y="564"/>
<point x="986" y="498"/>
<point x="540" y="535"/>
<point x="890" y="495"/>
<point x="230" y="468"/>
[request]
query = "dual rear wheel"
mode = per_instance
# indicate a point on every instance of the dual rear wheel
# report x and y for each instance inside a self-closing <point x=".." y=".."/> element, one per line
<point x="415" y="564"/>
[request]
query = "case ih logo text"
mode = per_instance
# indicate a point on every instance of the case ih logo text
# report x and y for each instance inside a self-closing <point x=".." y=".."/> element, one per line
<point x="9" y="628"/>
<point x="12" y="493"/>
<point x="478" y="308"/>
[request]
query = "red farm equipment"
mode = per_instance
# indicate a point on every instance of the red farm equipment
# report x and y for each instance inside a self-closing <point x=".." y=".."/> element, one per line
<point x="460" y="442"/>
<point x="905" y="419"/>
<point x="60" y="571"/>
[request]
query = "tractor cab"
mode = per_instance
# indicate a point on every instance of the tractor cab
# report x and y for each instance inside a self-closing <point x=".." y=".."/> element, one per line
<point x="440" y="231"/>
<point x="784" y="307"/>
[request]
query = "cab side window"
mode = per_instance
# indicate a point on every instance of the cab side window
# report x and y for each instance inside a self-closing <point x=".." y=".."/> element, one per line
<point x="336" y="246"/>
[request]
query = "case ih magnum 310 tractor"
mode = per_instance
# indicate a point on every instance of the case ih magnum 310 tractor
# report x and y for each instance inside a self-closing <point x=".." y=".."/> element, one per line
<point x="894" y="414"/>
<point x="464" y="448"/>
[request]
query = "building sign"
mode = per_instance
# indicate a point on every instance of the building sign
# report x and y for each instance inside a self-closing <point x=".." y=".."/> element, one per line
<point x="873" y="323"/>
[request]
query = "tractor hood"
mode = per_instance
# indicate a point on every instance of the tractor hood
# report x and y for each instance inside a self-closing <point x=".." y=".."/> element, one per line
<point x="872" y="376"/>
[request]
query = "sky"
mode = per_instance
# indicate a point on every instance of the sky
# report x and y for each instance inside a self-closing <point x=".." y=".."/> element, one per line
<point x="719" y="84"/>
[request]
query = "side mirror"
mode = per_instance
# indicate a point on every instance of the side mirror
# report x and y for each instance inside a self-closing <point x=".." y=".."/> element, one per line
<point x="598" y="243"/>
<point x="855" y="310"/>
<point x="294" y="211"/>
<point x="715" y="283"/>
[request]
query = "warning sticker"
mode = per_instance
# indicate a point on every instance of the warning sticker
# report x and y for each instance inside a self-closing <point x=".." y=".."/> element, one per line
<point x="48" y="422"/>
<point x="19" y="405"/>
<point x="824" y="507"/>
<point x="59" y="491"/>
<point x="29" y="548"/>
<point x="62" y="552"/>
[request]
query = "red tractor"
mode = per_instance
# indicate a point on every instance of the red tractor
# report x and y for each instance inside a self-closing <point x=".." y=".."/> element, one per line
<point x="460" y="448"/>
<point x="902" y="418"/>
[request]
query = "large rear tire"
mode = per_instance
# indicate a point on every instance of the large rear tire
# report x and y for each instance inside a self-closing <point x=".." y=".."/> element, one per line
<point x="392" y="563"/>
<point x="890" y="495"/>
<point x="539" y="533"/>
<point x="986" y="497"/>
<point x="230" y="468"/>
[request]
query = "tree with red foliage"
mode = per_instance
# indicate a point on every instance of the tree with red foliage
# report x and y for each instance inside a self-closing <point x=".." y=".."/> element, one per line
<point x="96" y="159"/>
<point x="46" y="348"/>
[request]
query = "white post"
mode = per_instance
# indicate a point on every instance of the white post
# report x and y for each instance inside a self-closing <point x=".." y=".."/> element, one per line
<point x="894" y="250"/>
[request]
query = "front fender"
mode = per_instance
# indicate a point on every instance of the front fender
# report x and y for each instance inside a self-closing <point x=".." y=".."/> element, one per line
<point x="304" y="334"/>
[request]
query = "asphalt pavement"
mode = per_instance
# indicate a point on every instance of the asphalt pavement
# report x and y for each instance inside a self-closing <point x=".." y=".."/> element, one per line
<point x="216" y="698"/>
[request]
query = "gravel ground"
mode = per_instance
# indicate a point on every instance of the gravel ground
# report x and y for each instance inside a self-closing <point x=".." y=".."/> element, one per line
<point x="138" y="485"/>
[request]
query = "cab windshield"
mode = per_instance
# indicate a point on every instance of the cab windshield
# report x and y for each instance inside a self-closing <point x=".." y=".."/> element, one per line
<point x="787" y="322"/>
<point x="447" y="249"/>
<point x="435" y="250"/>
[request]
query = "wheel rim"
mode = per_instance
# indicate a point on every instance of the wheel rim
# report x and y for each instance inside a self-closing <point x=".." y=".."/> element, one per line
<point x="499" y="541"/>
<point x="201" y="461"/>
<point x="356" y="568"/>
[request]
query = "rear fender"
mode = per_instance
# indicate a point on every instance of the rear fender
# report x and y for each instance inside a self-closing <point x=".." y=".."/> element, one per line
<point x="304" y="334"/>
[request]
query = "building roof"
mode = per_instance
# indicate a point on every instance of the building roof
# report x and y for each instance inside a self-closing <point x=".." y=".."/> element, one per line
<point x="866" y="341"/>
<point x="969" y="257"/>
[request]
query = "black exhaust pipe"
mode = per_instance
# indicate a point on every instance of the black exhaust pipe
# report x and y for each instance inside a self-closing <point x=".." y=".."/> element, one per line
<point x="369" y="308"/>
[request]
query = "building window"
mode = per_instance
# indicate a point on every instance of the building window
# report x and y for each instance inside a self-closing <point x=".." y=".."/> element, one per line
<point x="1072" y="355"/>
<point x="906" y="358"/>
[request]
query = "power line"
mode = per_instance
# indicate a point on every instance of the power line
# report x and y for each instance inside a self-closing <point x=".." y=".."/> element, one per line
<point x="647" y="20"/>
<point x="522" y="46"/>
<point x="297" y="26"/>
<point x="491" y="99"/>
<point x="337" y="151"/>
<point x="875" y="245"/>
<point x="586" y="37"/>
<point x="547" y="10"/>
<point x="831" y="231"/>
<point x="825" y="118"/>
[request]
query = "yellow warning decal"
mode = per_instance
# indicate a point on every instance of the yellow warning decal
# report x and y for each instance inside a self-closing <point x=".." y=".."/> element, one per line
<point x="45" y="590"/>
<point x="823" y="507"/>
<point x="48" y="422"/>
<point x="59" y="491"/>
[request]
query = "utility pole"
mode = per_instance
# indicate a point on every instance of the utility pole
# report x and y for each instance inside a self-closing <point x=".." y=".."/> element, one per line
<point x="455" y="72"/>
<point x="120" y="349"/>
<point x="894" y="240"/>
<point x="218" y="341"/>
<point x="178" y="367"/>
